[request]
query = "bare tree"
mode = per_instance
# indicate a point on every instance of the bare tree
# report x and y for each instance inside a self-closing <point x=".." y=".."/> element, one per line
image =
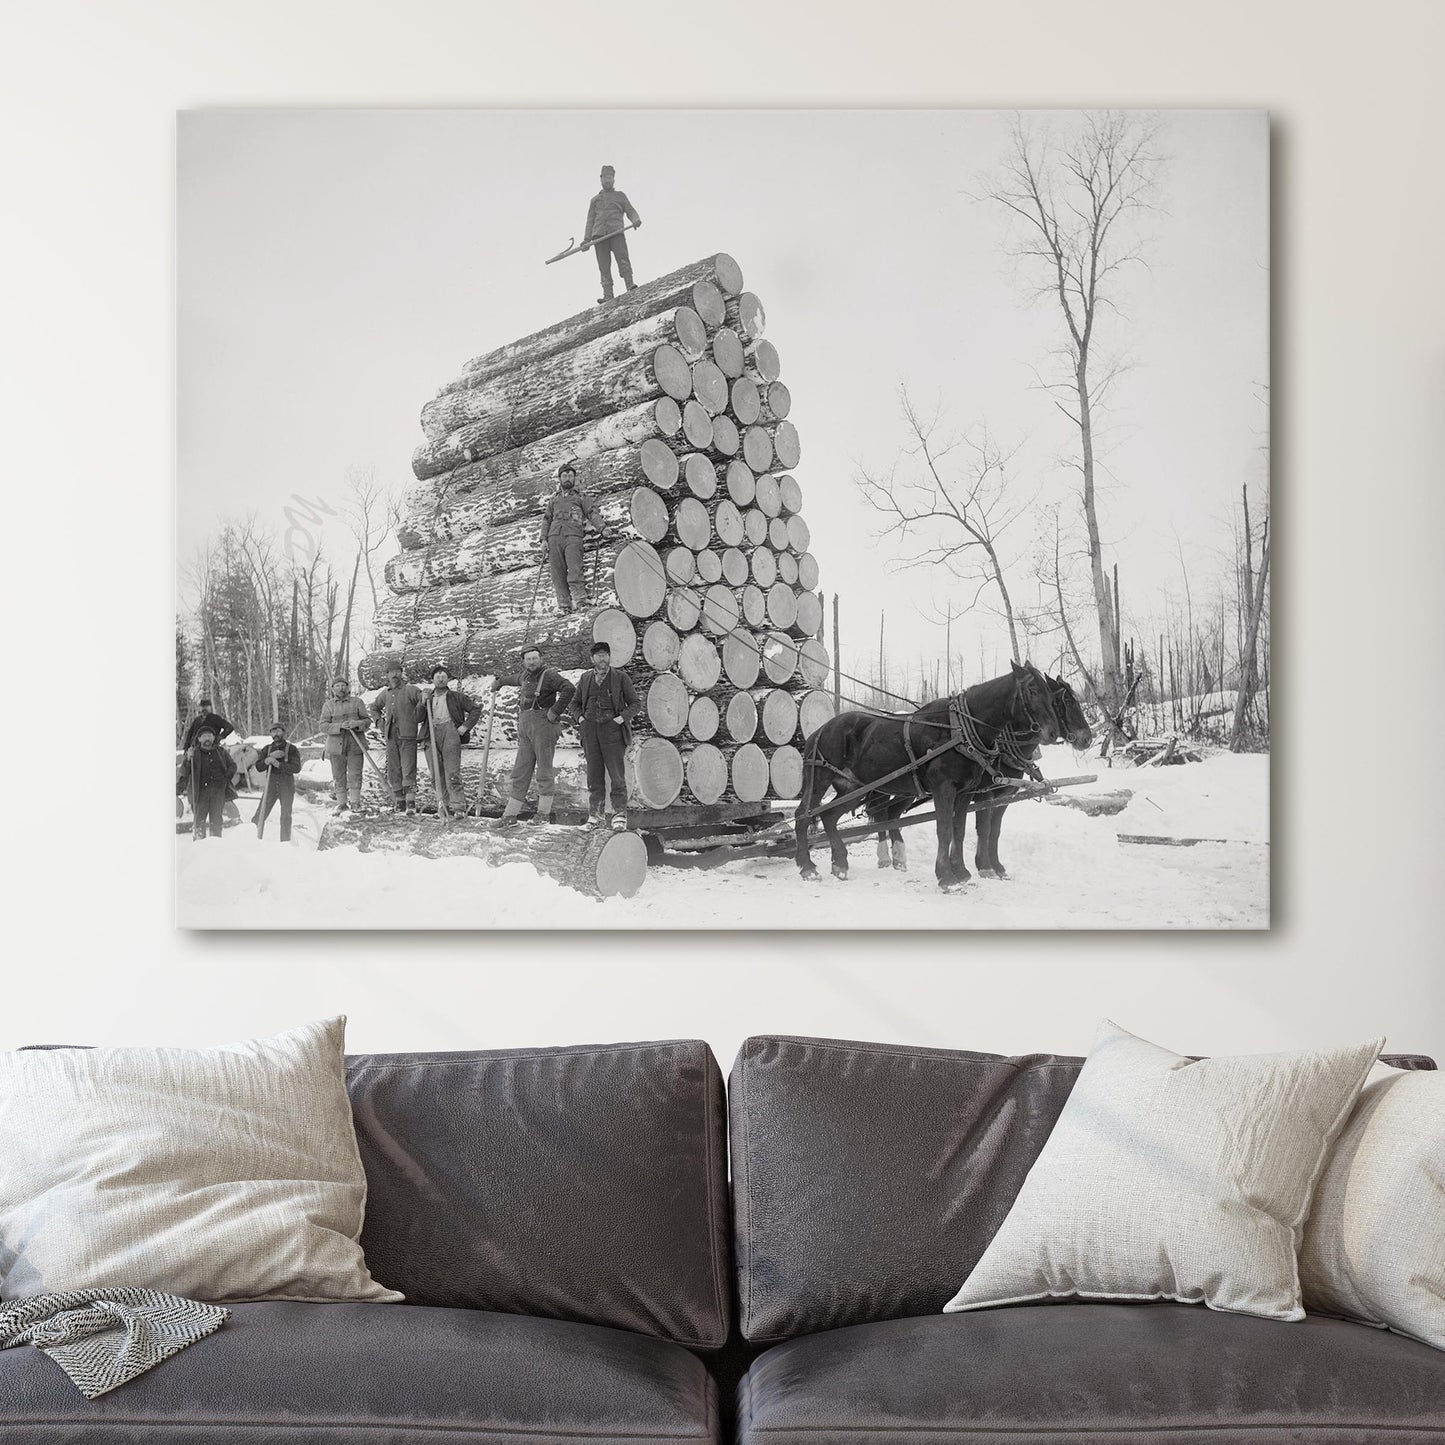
<point x="951" y="499"/>
<point x="1056" y="607"/>
<point x="1074" y="200"/>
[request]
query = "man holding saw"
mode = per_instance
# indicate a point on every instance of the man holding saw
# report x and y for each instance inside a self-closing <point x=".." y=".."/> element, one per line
<point x="603" y="232"/>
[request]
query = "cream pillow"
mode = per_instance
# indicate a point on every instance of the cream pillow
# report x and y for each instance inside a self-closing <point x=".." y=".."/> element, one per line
<point x="222" y="1174"/>
<point x="1374" y="1244"/>
<point x="1167" y="1178"/>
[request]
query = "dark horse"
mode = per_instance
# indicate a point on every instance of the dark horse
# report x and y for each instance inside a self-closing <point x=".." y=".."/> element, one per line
<point x="1076" y="732"/>
<point x="1005" y="717"/>
<point x="1074" y="728"/>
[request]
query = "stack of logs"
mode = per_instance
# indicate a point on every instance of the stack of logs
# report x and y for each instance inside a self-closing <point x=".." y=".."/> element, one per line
<point x="669" y="402"/>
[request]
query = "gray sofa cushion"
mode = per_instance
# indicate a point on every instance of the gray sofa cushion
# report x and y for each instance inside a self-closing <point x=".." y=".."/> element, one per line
<point x="1105" y="1374"/>
<point x="869" y="1178"/>
<point x="574" y="1183"/>
<point x="366" y="1374"/>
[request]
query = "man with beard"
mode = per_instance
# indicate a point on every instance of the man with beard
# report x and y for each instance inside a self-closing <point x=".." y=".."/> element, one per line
<point x="208" y="775"/>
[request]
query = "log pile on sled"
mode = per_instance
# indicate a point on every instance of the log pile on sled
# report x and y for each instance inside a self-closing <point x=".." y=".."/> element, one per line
<point x="670" y="403"/>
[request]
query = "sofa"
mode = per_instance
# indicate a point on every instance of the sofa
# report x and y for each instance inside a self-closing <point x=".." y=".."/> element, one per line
<point x="577" y="1270"/>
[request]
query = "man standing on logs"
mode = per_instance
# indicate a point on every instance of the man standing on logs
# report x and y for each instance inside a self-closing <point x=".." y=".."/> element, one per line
<point x="603" y="232"/>
<point x="606" y="703"/>
<point x="344" y="720"/>
<point x="282" y="761"/>
<point x="446" y="723"/>
<point x="541" y="701"/>
<point x="397" y="711"/>
<point x="565" y="520"/>
<point x="208" y="775"/>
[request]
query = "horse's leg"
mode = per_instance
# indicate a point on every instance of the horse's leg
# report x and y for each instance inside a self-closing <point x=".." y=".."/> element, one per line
<point x="900" y="852"/>
<point x="943" y="796"/>
<point x="982" y="821"/>
<point x="961" y="800"/>
<point x="838" y="846"/>
<point x="806" y="803"/>
<point x="999" y="871"/>
<point x="881" y="816"/>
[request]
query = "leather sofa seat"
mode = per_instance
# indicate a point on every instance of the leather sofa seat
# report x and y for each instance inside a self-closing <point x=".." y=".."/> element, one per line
<point x="375" y="1374"/>
<point x="1107" y="1374"/>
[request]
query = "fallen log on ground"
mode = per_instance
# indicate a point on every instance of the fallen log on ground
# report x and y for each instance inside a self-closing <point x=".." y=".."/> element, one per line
<point x="601" y="864"/>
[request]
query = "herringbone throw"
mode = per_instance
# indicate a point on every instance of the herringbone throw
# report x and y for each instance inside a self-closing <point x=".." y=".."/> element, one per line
<point x="103" y="1337"/>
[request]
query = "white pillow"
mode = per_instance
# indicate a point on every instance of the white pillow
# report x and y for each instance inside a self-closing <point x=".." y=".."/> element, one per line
<point x="1374" y="1244"/>
<point x="1167" y="1178"/>
<point x="222" y="1174"/>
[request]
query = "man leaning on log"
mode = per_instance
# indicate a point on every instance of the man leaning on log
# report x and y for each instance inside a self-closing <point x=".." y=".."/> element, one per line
<point x="606" y="703"/>
<point x="603" y="232"/>
<point x="541" y="700"/>
<point x="397" y="711"/>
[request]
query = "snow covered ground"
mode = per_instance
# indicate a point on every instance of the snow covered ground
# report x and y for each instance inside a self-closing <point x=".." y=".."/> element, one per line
<point x="1067" y="870"/>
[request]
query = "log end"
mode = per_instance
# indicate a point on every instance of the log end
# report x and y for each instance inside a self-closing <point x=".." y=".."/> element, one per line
<point x="621" y="866"/>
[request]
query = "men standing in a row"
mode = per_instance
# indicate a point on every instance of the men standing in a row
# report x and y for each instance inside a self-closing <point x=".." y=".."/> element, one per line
<point x="565" y="520"/>
<point x="541" y="700"/>
<point x="344" y="720"/>
<point x="606" y="702"/>
<point x="397" y="711"/>
<point x="207" y="775"/>
<point x="446" y="722"/>
<point x="280" y="762"/>
<point x="204" y="717"/>
<point x="603" y="228"/>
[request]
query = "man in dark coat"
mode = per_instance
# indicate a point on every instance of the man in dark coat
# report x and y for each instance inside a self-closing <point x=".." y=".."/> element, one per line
<point x="280" y="762"/>
<point x="207" y="775"/>
<point x="565" y="520"/>
<point x="603" y="232"/>
<point x="204" y="717"/>
<point x="541" y="701"/>
<point x="446" y="722"/>
<point x="397" y="711"/>
<point x="606" y="703"/>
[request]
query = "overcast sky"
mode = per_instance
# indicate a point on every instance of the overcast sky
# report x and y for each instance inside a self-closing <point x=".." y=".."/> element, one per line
<point x="336" y="267"/>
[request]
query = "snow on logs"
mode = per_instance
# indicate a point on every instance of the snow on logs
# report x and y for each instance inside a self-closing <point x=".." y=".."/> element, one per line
<point x="670" y="403"/>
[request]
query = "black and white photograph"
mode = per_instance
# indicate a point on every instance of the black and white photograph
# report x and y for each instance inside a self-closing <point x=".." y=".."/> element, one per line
<point x="723" y="519"/>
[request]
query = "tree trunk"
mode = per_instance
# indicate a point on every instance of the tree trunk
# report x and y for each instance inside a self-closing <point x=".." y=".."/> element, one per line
<point x="707" y="773"/>
<point x="662" y="372"/>
<point x="785" y="771"/>
<point x="504" y="391"/>
<point x="1256" y="611"/>
<point x="599" y="864"/>
<point x="696" y="285"/>
<point x="654" y="773"/>
<point x="1103" y="601"/>
<point x="698" y="663"/>
<point x="778" y="713"/>
<point x="514" y="483"/>
<point x="745" y="315"/>
<point x="750" y="774"/>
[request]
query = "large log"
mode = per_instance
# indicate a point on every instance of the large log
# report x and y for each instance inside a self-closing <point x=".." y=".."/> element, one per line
<point x="798" y="535"/>
<point x="696" y="285"/>
<point x="665" y="704"/>
<point x="661" y="646"/>
<point x="709" y="566"/>
<point x="654" y="773"/>
<point x="785" y="771"/>
<point x="776" y="401"/>
<point x="757" y="449"/>
<point x="684" y="608"/>
<point x="754" y="604"/>
<point x="710" y="387"/>
<point x="778" y="713"/>
<point x="745" y="400"/>
<point x="719" y="611"/>
<point x="597" y="863"/>
<point x="680" y="565"/>
<point x="485" y="652"/>
<point x="733" y="567"/>
<point x="707" y="772"/>
<point x="780" y="656"/>
<point x="727" y="353"/>
<point x="740" y="717"/>
<point x="807" y="572"/>
<point x="699" y="476"/>
<point x="762" y="362"/>
<point x="750" y="774"/>
<point x="790" y="495"/>
<point x="755" y="526"/>
<point x="698" y="663"/>
<point x="740" y="484"/>
<point x="782" y="606"/>
<point x="514" y="483"/>
<point x="727" y="522"/>
<point x="763" y="565"/>
<point x="742" y="658"/>
<point x="812" y="664"/>
<point x="662" y="372"/>
<point x="787" y="567"/>
<point x="703" y="719"/>
<point x="746" y="316"/>
<point x="768" y="495"/>
<point x="502" y="392"/>
<point x="726" y="439"/>
<point x="808" y="614"/>
<point x="691" y="525"/>
<point x="786" y="445"/>
<point x="814" y="709"/>
<point x="778" y="534"/>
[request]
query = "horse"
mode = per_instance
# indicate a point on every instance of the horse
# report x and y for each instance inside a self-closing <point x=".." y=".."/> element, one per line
<point x="993" y="719"/>
<point x="892" y="851"/>
<point x="1076" y="732"/>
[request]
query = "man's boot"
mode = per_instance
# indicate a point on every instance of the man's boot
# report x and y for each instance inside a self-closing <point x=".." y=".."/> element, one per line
<point x="510" y="814"/>
<point x="606" y="295"/>
<point x="543" y="815"/>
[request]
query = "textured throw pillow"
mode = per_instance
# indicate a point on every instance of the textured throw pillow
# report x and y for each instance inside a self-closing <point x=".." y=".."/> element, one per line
<point x="1374" y="1243"/>
<point x="222" y="1174"/>
<point x="1167" y="1178"/>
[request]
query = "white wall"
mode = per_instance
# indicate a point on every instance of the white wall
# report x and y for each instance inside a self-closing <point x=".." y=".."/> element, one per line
<point x="1360" y="436"/>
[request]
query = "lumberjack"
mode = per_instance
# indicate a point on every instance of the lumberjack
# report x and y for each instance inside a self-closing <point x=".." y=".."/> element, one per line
<point x="603" y="232"/>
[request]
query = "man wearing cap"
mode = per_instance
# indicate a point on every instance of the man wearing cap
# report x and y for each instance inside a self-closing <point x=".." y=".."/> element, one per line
<point x="446" y="722"/>
<point x="204" y="716"/>
<point x="606" y="703"/>
<point x="565" y="520"/>
<point x="603" y="231"/>
<point x="207" y="774"/>
<point x="541" y="701"/>
<point x="281" y="761"/>
<point x="344" y="720"/>
<point x="397" y="711"/>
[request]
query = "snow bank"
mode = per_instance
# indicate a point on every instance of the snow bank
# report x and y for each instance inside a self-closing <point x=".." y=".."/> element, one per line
<point x="1067" y="870"/>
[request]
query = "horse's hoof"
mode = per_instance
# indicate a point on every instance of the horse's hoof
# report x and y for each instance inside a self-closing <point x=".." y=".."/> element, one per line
<point x="808" y="875"/>
<point x="899" y="866"/>
<point x="884" y="863"/>
<point x="841" y="874"/>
